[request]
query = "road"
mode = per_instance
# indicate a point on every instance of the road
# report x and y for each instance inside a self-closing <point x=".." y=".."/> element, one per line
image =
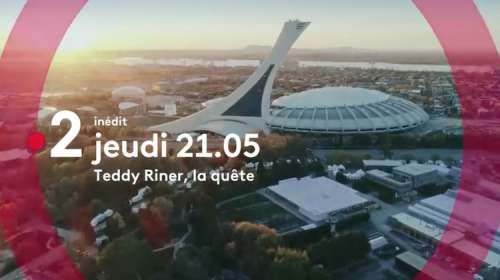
<point x="380" y="217"/>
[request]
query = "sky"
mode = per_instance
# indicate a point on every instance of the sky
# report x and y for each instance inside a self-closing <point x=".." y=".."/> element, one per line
<point x="233" y="24"/>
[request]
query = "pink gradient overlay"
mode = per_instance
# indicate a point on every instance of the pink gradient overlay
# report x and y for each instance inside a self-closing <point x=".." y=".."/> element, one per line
<point x="37" y="34"/>
<point x="468" y="44"/>
<point x="24" y="64"/>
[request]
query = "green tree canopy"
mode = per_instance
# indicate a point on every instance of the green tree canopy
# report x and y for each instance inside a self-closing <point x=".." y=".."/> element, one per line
<point x="289" y="264"/>
<point x="128" y="259"/>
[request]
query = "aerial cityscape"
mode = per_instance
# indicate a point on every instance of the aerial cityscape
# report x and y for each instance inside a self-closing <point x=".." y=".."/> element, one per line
<point x="323" y="162"/>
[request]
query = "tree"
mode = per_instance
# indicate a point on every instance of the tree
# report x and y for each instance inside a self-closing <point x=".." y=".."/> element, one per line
<point x="264" y="177"/>
<point x="203" y="219"/>
<point x="361" y="140"/>
<point x="297" y="168"/>
<point x="435" y="157"/>
<point x="340" y="250"/>
<point x="341" y="178"/>
<point x="449" y="161"/>
<point x="191" y="264"/>
<point x="88" y="266"/>
<point x="317" y="273"/>
<point x="362" y="185"/>
<point x="345" y="158"/>
<point x="162" y="189"/>
<point x="402" y="141"/>
<point x="128" y="259"/>
<point x="63" y="190"/>
<point x="250" y="246"/>
<point x="162" y="207"/>
<point x="247" y="236"/>
<point x="96" y="207"/>
<point x="386" y="150"/>
<point x="154" y="228"/>
<point x="281" y="170"/>
<point x="116" y="224"/>
<point x="408" y="157"/>
<point x="289" y="264"/>
<point x="296" y="147"/>
<point x="317" y="169"/>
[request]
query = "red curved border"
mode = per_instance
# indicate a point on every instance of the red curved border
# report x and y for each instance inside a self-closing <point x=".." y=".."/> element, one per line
<point x="27" y="57"/>
<point x="24" y="65"/>
<point x="466" y="40"/>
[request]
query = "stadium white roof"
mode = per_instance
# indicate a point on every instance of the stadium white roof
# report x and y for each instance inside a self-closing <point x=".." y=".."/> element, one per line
<point x="331" y="97"/>
<point x="344" y="110"/>
<point x="319" y="196"/>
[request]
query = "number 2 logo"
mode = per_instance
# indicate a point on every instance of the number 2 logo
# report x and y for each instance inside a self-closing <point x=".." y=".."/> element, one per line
<point x="61" y="149"/>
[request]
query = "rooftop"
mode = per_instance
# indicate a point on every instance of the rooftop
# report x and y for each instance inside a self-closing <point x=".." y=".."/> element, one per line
<point x="430" y="216"/>
<point x="344" y="110"/>
<point x="426" y="228"/>
<point x="383" y="162"/>
<point x="412" y="259"/>
<point x="378" y="173"/>
<point x="319" y="195"/>
<point x="415" y="169"/>
<point x="478" y="252"/>
<point x="331" y="97"/>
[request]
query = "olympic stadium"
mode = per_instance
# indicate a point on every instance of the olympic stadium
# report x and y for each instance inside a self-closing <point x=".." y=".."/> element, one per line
<point x="343" y="110"/>
<point x="337" y="111"/>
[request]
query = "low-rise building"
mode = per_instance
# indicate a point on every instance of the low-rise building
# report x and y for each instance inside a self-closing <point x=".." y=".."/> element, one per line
<point x="428" y="222"/>
<point x="410" y="263"/>
<point x="403" y="188"/>
<point x="318" y="199"/>
<point x="128" y="108"/>
<point x="384" y="165"/>
<point x="418" y="174"/>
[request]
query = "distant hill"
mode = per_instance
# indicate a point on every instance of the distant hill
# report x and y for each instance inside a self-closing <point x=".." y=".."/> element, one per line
<point x="339" y="54"/>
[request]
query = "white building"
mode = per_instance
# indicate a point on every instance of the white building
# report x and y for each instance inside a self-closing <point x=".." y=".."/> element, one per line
<point x="169" y="110"/>
<point x="418" y="174"/>
<point x="384" y="165"/>
<point x="130" y="99"/>
<point x="319" y="198"/>
<point x="388" y="180"/>
<point x="428" y="219"/>
<point x="128" y="108"/>
<point x="378" y="242"/>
